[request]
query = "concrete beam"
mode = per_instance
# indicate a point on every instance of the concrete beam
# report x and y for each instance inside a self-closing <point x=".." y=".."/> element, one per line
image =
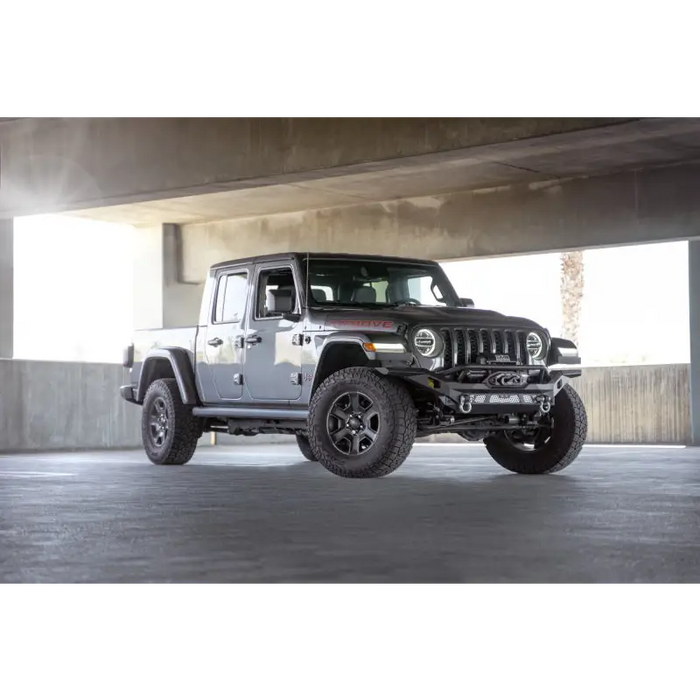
<point x="52" y="165"/>
<point x="625" y="208"/>
<point x="7" y="297"/>
<point x="694" y="313"/>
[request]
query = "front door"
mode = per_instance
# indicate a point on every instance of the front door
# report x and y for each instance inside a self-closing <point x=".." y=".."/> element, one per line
<point x="273" y="340"/>
<point x="224" y="348"/>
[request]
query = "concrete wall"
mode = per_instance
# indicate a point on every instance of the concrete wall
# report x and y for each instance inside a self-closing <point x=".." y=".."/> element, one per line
<point x="57" y="405"/>
<point x="58" y="164"/>
<point x="694" y="318"/>
<point x="638" y="404"/>
<point x="7" y="298"/>
<point x="64" y="405"/>
<point x="626" y="208"/>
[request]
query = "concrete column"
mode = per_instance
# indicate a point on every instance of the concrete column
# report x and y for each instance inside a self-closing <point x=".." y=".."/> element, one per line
<point x="181" y="299"/>
<point x="162" y="298"/>
<point x="7" y="287"/>
<point x="694" y="305"/>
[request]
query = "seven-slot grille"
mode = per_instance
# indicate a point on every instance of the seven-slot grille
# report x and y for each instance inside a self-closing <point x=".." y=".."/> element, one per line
<point x="464" y="345"/>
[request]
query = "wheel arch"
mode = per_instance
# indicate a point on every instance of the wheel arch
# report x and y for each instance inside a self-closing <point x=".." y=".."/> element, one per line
<point x="169" y="363"/>
<point x="340" y="351"/>
<point x="344" y="349"/>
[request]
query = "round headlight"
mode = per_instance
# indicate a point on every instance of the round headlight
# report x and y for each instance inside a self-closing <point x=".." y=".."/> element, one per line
<point x="536" y="347"/>
<point x="426" y="342"/>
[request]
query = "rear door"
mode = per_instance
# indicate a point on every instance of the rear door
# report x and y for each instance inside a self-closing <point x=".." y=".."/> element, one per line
<point x="224" y="348"/>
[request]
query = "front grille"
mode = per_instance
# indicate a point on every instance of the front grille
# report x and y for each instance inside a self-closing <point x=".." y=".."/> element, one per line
<point x="464" y="346"/>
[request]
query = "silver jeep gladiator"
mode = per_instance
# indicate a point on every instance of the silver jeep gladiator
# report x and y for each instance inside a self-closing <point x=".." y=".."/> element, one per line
<point x="356" y="356"/>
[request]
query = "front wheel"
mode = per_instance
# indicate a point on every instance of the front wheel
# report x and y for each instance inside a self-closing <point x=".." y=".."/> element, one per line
<point x="547" y="449"/>
<point x="361" y="425"/>
<point x="305" y="448"/>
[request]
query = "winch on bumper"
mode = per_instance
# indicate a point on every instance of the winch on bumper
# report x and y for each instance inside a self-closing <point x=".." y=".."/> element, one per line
<point x="525" y="389"/>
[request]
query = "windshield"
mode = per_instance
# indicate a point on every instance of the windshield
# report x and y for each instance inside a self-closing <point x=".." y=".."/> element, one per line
<point x="358" y="282"/>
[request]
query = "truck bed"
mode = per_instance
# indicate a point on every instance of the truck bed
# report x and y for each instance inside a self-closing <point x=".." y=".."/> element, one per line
<point x="147" y="340"/>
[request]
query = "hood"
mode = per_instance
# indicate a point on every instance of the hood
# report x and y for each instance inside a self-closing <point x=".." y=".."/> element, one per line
<point x="387" y="319"/>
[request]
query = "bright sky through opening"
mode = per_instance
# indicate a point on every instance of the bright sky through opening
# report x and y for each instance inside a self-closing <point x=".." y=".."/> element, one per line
<point x="74" y="287"/>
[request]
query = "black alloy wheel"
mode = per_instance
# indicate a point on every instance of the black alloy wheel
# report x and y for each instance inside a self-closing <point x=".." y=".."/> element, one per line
<point x="159" y="423"/>
<point x="353" y="423"/>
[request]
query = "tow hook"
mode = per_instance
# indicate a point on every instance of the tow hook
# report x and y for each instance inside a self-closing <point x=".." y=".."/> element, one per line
<point x="544" y="404"/>
<point x="465" y="404"/>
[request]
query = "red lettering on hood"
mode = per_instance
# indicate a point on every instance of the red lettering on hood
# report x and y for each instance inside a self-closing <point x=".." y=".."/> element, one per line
<point x="360" y="323"/>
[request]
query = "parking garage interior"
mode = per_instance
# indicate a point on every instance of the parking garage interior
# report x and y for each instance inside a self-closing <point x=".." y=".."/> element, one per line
<point x="450" y="190"/>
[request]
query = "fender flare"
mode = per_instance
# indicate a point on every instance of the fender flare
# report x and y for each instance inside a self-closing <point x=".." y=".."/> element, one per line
<point x="181" y="364"/>
<point x="359" y="339"/>
<point x="564" y="355"/>
<point x="563" y="352"/>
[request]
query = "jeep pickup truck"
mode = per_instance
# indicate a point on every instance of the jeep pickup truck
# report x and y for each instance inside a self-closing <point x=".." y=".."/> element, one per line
<point x="355" y="355"/>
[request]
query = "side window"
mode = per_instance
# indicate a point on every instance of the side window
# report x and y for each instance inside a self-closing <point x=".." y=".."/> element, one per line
<point x="416" y="288"/>
<point x="425" y="290"/>
<point x="230" y="298"/>
<point x="276" y="293"/>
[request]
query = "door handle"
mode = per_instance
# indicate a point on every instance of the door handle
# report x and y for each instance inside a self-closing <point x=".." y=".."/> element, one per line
<point x="215" y="342"/>
<point x="253" y="339"/>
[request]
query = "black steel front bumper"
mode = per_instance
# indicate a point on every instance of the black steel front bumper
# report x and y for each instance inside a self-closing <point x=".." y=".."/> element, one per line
<point x="128" y="393"/>
<point x="483" y="398"/>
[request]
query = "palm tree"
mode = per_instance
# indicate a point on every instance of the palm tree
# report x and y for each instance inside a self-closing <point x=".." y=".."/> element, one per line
<point x="571" y="287"/>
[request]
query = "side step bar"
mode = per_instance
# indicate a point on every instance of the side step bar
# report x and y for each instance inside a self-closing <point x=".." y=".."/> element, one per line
<point x="259" y="413"/>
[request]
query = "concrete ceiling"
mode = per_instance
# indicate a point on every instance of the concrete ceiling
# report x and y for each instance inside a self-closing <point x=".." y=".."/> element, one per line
<point x="634" y="145"/>
<point x="15" y="117"/>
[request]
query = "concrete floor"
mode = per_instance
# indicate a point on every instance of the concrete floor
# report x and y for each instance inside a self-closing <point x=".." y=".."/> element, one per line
<point x="261" y="514"/>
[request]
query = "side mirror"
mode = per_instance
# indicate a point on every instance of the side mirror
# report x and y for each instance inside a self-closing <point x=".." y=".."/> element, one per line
<point x="289" y="316"/>
<point x="466" y="303"/>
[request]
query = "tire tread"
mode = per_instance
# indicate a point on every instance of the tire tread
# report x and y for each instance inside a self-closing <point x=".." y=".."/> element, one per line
<point x="575" y="420"/>
<point x="305" y="448"/>
<point x="396" y="400"/>
<point x="186" y="428"/>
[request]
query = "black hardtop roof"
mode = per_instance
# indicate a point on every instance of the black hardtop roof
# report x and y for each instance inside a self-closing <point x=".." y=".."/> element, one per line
<point x="272" y="257"/>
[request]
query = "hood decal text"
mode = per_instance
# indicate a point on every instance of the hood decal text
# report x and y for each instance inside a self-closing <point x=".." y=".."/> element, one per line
<point x="360" y="323"/>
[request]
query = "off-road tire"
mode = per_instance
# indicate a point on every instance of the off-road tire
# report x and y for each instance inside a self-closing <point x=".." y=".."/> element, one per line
<point x="305" y="448"/>
<point x="184" y="429"/>
<point x="568" y="435"/>
<point x="396" y="435"/>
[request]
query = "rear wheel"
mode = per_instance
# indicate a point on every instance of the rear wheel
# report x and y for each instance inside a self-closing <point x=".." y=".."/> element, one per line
<point x="169" y="431"/>
<point x="305" y="448"/>
<point x="361" y="425"/>
<point x="549" y="448"/>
